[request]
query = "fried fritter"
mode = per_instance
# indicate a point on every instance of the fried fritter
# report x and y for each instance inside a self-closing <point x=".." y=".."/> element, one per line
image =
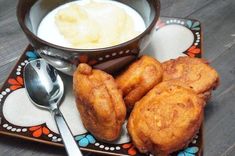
<point x="138" y="79"/>
<point x="99" y="102"/>
<point x="193" y="72"/>
<point x="165" y="119"/>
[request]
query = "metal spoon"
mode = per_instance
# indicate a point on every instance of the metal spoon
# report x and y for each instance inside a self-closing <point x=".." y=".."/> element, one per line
<point x="45" y="89"/>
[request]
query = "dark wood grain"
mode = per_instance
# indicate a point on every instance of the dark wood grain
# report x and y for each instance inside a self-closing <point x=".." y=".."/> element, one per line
<point x="218" y="23"/>
<point x="12" y="39"/>
<point x="220" y="111"/>
<point x="218" y="20"/>
<point x="182" y="8"/>
<point x="17" y="147"/>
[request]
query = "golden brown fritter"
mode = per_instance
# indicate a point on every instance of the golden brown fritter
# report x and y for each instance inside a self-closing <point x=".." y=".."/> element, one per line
<point x="99" y="102"/>
<point x="165" y="119"/>
<point x="193" y="72"/>
<point x="138" y="79"/>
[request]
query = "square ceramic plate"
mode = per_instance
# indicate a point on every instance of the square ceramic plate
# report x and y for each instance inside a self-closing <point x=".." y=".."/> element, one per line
<point x="20" y="118"/>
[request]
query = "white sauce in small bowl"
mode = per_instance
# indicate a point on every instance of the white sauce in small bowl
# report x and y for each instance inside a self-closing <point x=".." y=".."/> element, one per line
<point x="48" y="29"/>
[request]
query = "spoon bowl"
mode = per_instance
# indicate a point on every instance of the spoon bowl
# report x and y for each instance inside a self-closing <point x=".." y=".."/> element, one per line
<point x="45" y="89"/>
<point x="44" y="85"/>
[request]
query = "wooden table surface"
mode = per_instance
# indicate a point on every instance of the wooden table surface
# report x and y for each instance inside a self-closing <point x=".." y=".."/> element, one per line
<point x="218" y="20"/>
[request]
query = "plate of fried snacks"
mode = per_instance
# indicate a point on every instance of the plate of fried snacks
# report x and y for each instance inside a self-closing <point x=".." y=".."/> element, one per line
<point x="154" y="106"/>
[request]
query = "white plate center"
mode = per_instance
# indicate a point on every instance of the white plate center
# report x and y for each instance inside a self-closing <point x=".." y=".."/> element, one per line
<point x="170" y="42"/>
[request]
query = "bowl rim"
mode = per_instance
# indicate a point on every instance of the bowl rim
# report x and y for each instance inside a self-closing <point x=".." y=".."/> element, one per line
<point x="35" y="37"/>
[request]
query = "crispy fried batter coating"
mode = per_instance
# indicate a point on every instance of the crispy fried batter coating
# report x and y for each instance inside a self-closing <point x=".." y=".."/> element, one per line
<point x="99" y="102"/>
<point x="138" y="79"/>
<point x="193" y="72"/>
<point x="165" y="119"/>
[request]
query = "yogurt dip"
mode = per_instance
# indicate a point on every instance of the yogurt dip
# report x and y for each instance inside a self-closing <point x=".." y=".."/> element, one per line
<point x="90" y="24"/>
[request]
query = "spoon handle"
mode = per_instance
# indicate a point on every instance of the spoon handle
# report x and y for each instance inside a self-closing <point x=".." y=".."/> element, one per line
<point x="68" y="139"/>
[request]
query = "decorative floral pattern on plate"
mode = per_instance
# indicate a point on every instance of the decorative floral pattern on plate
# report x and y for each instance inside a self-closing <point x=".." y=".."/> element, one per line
<point x="39" y="130"/>
<point x="85" y="140"/>
<point x="193" y="25"/>
<point x="32" y="55"/>
<point x="193" y="51"/>
<point x="16" y="83"/>
<point x="130" y="147"/>
<point x="190" y="151"/>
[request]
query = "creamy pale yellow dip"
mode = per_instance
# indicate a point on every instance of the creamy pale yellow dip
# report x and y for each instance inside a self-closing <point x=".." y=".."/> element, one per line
<point x="95" y="25"/>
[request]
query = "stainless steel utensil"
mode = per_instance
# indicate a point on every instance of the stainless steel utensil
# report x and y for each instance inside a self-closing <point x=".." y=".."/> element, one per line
<point x="45" y="89"/>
